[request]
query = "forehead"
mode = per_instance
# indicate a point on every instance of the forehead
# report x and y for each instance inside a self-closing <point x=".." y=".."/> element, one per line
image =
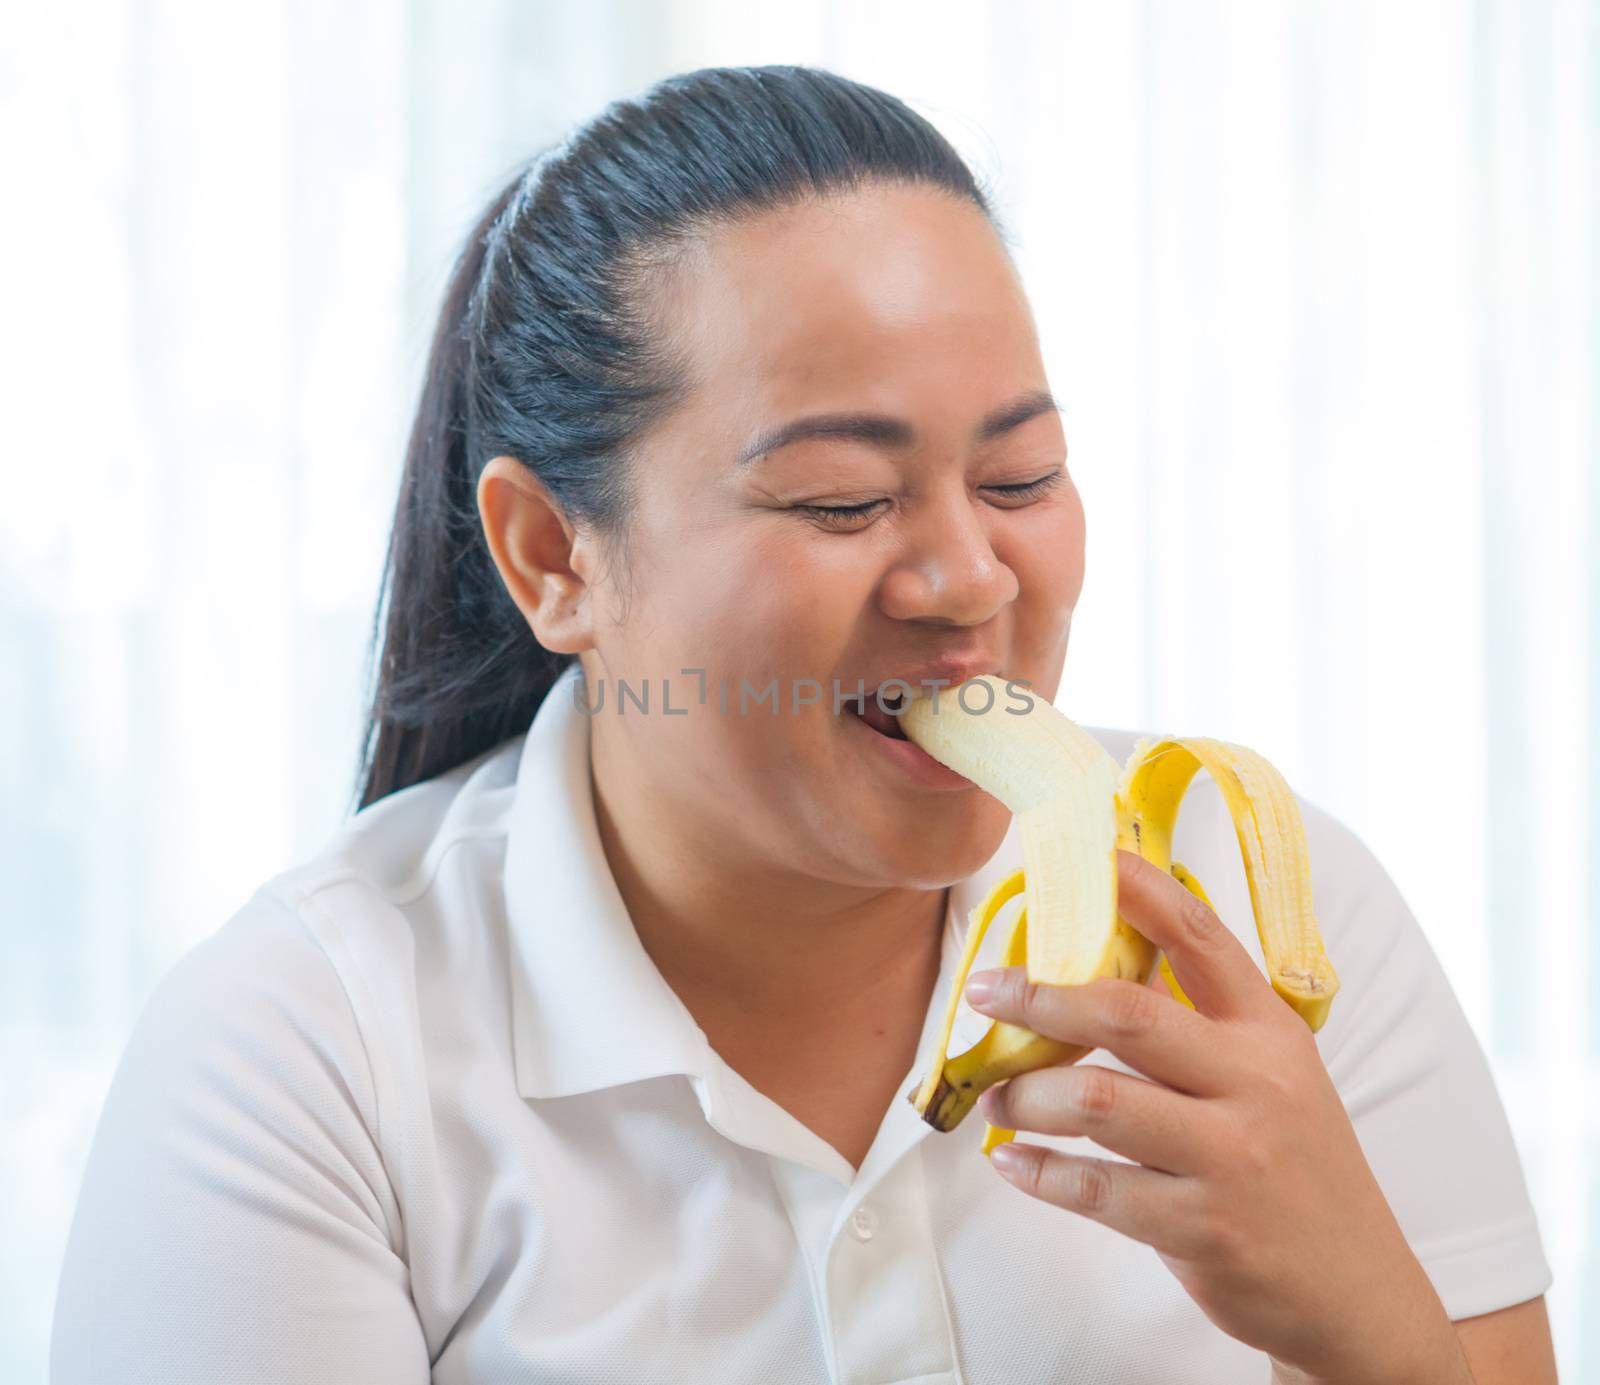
<point x="853" y="299"/>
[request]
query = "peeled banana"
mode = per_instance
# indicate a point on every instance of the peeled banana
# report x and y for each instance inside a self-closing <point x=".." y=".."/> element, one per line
<point x="1074" y="809"/>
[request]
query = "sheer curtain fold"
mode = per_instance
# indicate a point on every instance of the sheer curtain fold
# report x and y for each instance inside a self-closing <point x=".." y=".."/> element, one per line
<point x="1315" y="283"/>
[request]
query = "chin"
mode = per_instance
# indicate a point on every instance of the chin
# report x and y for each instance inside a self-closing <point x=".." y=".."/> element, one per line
<point x="941" y="843"/>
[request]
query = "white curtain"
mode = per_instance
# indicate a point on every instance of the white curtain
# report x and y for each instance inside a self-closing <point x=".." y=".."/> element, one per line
<point x="1317" y="286"/>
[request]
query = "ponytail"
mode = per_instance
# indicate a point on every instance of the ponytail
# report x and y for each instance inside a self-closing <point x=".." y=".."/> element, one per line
<point x="461" y="672"/>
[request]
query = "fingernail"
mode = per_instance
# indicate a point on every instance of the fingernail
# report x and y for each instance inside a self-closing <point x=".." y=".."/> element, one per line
<point x="1006" y="1156"/>
<point x="981" y="986"/>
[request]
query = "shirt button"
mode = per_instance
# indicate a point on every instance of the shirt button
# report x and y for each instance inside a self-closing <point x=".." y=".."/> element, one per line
<point x="862" y="1222"/>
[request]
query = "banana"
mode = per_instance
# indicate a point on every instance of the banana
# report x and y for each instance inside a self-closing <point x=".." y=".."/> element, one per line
<point x="1074" y="810"/>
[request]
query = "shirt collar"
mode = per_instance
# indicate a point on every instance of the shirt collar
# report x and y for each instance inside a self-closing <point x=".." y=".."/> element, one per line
<point x="589" y="1008"/>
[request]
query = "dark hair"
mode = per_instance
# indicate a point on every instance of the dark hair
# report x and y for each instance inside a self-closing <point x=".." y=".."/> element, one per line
<point x="543" y="352"/>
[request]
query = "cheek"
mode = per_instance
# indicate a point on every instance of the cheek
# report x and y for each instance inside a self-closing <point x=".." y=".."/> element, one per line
<point x="747" y="605"/>
<point x="783" y="607"/>
<point x="1051" y="559"/>
<point x="749" y="613"/>
<point x="1074" y="558"/>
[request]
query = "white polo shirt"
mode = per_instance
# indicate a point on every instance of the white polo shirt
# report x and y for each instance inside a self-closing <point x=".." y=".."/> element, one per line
<point x="424" y="1108"/>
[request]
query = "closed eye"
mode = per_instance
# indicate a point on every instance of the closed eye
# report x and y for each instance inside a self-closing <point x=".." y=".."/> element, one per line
<point x="1028" y="489"/>
<point x="1018" y="490"/>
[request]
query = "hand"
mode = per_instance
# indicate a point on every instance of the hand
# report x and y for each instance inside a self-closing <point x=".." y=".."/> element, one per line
<point x="1249" y="1181"/>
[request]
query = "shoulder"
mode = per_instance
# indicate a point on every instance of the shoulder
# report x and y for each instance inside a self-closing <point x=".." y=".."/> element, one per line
<point x="411" y="882"/>
<point x="320" y="966"/>
<point x="238" y="1167"/>
<point x="249" y="1023"/>
<point x="396" y="846"/>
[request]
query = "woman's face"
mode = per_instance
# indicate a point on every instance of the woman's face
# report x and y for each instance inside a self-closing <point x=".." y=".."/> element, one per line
<point x="895" y="313"/>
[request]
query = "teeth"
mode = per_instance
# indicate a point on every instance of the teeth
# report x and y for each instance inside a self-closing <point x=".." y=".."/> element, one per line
<point x="885" y="723"/>
<point x="1074" y="809"/>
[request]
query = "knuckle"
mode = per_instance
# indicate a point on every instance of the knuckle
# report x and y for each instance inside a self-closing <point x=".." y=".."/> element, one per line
<point x="1284" y="1080"/>
<point x="1251" y="1160"/>
<point x="1219" y="1240"/>
<point x="1031" y="998"/>
<point x="1199" y="920"/>
<point x="1281" y="1087"/>
<point x="1211" y="1230"/>
<point x="1030" y="1176"/>
<point x="1092" y="1092"/>
<point x="1131" y="1010"/>
<point x="1262" y="1141"/>
<point x="1089" y="1185"/>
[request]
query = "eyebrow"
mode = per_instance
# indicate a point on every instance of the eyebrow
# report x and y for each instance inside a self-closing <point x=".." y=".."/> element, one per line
<point x="883" y="431"/>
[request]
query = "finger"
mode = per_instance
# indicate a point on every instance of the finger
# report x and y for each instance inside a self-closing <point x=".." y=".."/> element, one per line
<point x="1211" y="964"/>
<point x="1160" y="1128"/>
<point x="1144" y="1204"/>
<point x="1150" y="1032"/>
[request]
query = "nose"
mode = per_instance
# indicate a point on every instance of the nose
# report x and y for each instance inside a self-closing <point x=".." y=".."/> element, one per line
<point x="947" y="569"/>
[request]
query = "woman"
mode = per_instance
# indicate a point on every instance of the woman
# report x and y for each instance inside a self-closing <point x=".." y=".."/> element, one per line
<point x="740" y="391"/>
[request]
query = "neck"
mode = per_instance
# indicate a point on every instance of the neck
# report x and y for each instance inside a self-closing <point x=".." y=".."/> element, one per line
<point x="741" y="938"/>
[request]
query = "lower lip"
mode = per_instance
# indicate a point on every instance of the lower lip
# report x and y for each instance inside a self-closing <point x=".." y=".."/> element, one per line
<point x="911" y="759"/>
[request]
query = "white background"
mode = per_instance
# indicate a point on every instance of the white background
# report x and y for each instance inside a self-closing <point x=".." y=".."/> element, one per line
<point x="1318" y="289"/>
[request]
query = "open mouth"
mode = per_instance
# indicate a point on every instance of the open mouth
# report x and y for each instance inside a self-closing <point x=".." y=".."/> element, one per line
<point x="908" y="763"/>
<point x="885" y="723"/>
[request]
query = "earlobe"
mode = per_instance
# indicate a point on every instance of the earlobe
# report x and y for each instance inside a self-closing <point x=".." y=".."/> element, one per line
<point x="533" y="546"/>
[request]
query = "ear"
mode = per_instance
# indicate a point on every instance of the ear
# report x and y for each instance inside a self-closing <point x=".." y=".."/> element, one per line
<point x="543" y="560"/>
